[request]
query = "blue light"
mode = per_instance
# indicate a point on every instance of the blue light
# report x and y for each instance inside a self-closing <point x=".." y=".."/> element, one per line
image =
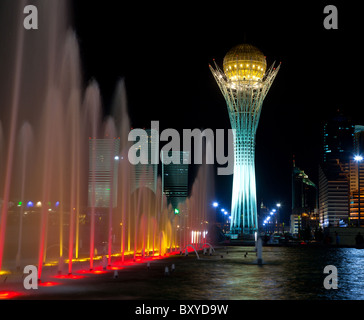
<point x="274" y="210"/>
<point x="57" y="203"/>
<point x="215" y="204"/>
<point x="222" y="210"/>
<point x="30" y="204"/>
<point x="358" y="158"/>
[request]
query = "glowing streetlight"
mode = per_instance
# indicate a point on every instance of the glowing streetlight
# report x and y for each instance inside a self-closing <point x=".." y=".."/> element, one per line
<point x="277" y="216"/>
<point x="215" y="204"/>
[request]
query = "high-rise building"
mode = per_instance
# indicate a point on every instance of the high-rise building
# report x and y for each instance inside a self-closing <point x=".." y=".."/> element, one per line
<point x="146" y="174"/>
<point x="356" y="169"/>
<point x="294" y="224"/>
<point x="263" y="213"/>
<point x="342" y="140"/>
<point x="359" y="139"/>
<point x="103" y="172"/>
<point x="337" y="139"/>
<point x="244" y="82"/>
<point x="304" y="198"/>
<point x="333" y="193"/>
<point x="175" y="177"/>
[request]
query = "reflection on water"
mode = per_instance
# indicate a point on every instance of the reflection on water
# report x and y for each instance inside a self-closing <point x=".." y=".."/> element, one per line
<point x="288" y="273"/>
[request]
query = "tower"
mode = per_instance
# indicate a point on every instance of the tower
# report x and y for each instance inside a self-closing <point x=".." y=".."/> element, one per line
<point x="245" y="82"/>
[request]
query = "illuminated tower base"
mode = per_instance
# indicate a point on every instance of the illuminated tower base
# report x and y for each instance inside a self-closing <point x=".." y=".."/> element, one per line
<point x="244" y="84"/>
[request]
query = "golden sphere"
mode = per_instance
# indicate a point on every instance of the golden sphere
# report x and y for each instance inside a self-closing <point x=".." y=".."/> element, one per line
<point x="245" y="62"/>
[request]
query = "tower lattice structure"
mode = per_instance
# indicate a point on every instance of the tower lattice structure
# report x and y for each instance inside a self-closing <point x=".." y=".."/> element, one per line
<point x="244" y="83"/>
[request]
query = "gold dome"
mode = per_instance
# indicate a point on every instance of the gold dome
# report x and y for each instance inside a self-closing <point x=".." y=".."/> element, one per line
<point x="245" y="62"/>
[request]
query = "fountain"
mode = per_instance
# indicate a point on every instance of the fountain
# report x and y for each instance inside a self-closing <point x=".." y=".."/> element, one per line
<point x="52" y="179"/>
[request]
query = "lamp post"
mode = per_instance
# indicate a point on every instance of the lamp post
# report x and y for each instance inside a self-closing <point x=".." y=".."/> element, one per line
<point x="277" y="219"/>
<point x="358" y="159"/>
<point x="215" y="205"/>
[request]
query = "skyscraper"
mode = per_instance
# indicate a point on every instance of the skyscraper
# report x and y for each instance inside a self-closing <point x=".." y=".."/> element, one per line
<point x="337" y="139"/>
<point x="359" y="139"/>
<point x="244" y="83"/>
<point x="103" y="157"/>
<point x="304" y="198"/>
<point x="356" y="169"/>
<point x="333" y="193"/>
<point x="175" y="177"/>
<point x="147" y="174"/>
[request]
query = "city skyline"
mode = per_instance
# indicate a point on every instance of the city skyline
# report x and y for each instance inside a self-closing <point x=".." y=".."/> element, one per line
<point x="100" y="107"/>
<point x="305" y="94"/>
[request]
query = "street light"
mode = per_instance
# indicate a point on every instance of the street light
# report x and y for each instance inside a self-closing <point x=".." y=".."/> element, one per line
<point x="277" y="216"/>
<point x="215" y="204"/>
<point x="358" y="159"/>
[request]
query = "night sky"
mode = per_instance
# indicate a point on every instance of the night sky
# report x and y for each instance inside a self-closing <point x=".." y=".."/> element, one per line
<point x="164" y="52"/>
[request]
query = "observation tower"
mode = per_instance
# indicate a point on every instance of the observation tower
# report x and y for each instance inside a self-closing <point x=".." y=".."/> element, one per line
<point x="244" y="82"/>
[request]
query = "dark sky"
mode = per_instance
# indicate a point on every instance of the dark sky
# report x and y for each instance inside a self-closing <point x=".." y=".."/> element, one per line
<point x="163" y="52"/>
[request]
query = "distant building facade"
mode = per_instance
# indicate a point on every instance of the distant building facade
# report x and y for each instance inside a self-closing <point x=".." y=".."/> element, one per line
<point x="359" y="139"/>
<point x="339" y="173"/>
<point x="294" y="224"/>
<point x="175" y="177"/>
<point x="304" y="198"/>
<point x="356" y="169"/>
<point x="103" y="172"/>
<point x="146" y="174"/>
<point x="333" y="193"/>
<point x="337" y="139"/>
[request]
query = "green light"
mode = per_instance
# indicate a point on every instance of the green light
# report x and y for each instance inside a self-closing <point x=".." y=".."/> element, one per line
<point x="20" y="203"/>
<point x="108" y="189"/>
<point x="176" y="211"/>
